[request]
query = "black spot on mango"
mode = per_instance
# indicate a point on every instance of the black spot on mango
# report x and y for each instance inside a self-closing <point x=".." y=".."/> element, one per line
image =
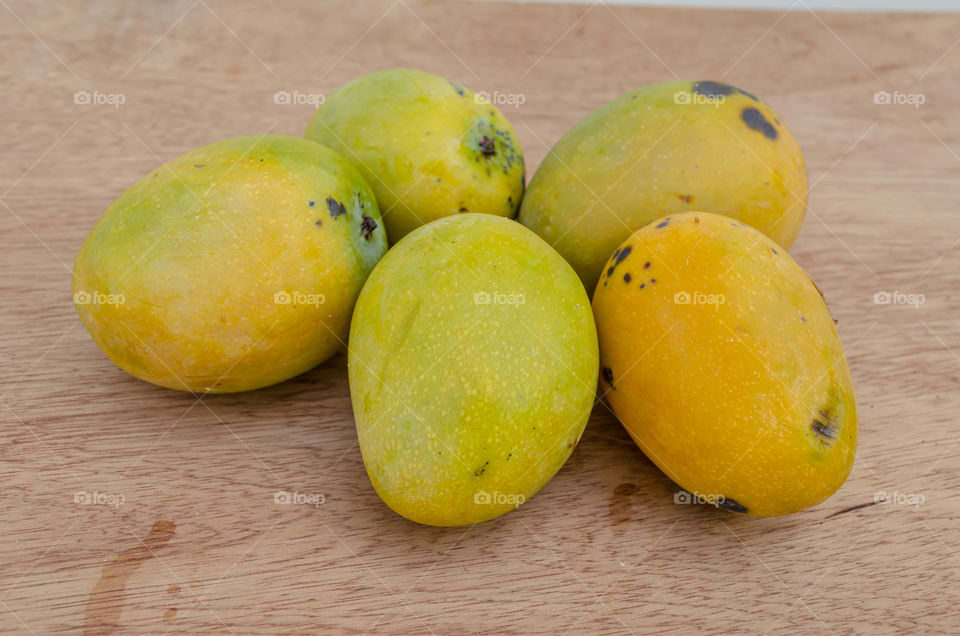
<point x="755" y="120"/>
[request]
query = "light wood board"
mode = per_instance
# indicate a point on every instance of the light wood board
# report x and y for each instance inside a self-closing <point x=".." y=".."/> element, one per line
<point x="198" y="542"/>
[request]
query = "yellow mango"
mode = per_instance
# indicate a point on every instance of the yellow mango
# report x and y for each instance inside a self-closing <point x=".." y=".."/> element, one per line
<point x="661" y="149"/>
<point x="720" y="358"/>
<point x="232" y="267"/>
<point x="473" y="369"/>
<point x="429" y="147"/>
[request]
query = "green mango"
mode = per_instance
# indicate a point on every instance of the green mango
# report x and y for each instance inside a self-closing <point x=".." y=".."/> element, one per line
<point x="662" y="149"/>
<point x="233" y="267"/>
<point x="473" y="365"/>
<point x="429" y="147"/>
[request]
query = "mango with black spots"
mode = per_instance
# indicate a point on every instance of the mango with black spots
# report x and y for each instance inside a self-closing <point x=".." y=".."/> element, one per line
<point x="233" y="267"/>
<point x="473" y="369"/>
<point x="721" y="359"/>
<point x="666" y="148"/>
<point x="429" y="147"/>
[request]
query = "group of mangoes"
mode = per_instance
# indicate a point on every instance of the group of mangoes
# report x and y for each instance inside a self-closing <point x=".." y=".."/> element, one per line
<point x="474" y="350"/>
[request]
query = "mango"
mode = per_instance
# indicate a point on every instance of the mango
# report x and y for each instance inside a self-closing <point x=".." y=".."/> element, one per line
<point x="661" y="149"/>
<point x="429" y="147"/>
<point x="721" y="359"/>
<point x="473" y="367"/>
<point x="230" y="268"/>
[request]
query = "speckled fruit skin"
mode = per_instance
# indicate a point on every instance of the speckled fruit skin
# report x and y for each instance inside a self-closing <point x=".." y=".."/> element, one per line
<point x="457" y="400"/>
<point x="205" y="250"/>
<point x="748" y="402"/>
<point x="661" y="149"/>
<point x="429" y="147"/>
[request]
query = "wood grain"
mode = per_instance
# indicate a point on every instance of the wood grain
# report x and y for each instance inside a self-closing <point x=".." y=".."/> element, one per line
<point x="198" y="543"/>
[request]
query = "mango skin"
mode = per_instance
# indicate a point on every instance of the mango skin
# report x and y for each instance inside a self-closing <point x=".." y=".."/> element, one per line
<point x="429" y="147"/>
<point x="202" y="251"/>
<point x="643" y="155"/>
<point x="456" y="399"/>
<point x="748" y="403"/>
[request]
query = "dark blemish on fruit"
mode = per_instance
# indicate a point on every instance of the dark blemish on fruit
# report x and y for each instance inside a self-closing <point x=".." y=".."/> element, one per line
<point x="367" y="226"/>
<point x="686" y="198"/>
<point x="336" y="208"/>
<point x="618" y="258"/>
<point x="642" y="285"/>
<point x="663" y="223"/>
<point x="653" y="280"/>
<point x="696" y="219"/>
<point x="481" y="470"/>
<point x="626" y="277"/>
<point x="462" y="209"/>
<point x="318" y="222"/>
<point x="803" y="318"/>
<point x="311" y="203"/>
<point x="509" y="455"/>
<point x="607" y="374"/>
<point x="713" y="89"/>
<point x="826" y="431"/>
<point x="755" y="120"/>
<point x="646" y="265"/>
<point x="510" y="201"/>
<point x="719" y="89"/>
<point x="438" y="179"/>
<point x="458" y="88"/>
<point x="774" y="250"/>
<point x="487" y="147"/>
<point x="731" y="504"/>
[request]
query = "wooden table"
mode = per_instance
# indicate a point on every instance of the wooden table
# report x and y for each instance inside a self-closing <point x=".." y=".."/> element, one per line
<point x="188" y="537"/>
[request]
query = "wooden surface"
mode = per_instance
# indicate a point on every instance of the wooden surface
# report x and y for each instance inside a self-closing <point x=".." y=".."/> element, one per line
<point x="198" y="542"/>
